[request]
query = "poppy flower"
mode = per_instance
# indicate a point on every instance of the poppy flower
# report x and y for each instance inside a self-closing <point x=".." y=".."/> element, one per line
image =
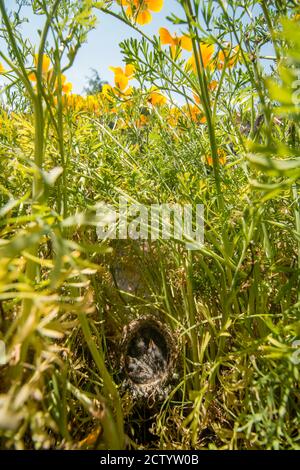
<point x="227" y="57"/>
<point x="122" y="76"/>
<point x="197" y="115"/>
<point x="47" y="74"/>
<point x="221" y="157"/>
<point x="46" y="62"/>
<point x="45" y="67"/>
<point x="67" y="88"/>
<point x="207" y="51"/>
<point x="174" y="41"/>
<point x="142" y="121"/>
<point x="140" y="10"/>
<point x="156" y="98"/>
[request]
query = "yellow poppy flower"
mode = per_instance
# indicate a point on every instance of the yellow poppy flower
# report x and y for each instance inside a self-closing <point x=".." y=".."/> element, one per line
<point x="122" y="77"/>
<point x="129" y="70"/>
<point x="140" y="10"/>
<point x="221" y="158"/>
<point x="142" y="121"/>
<point x="2" y="69"/>
<point x="156" y="98"/>
<point x="45" y="63"/>
<point x="128" y="91"/>
<point x="32" y="76"/>
<point x="227" y="57"/>
<point x="207" y="51"/>
<point x="46" y="71"/>
<point x="121" y="81"/>
<point x="174" y="41"/>
<point x="67" y="88"/>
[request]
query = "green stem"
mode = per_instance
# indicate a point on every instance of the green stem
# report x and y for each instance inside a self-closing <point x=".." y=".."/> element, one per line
<point x="192" y="316"/>
<point x="204" y="96"/>
<point x="270" y="26"/>
<point x="295" y="194"/>
<point x="109" y="387"/>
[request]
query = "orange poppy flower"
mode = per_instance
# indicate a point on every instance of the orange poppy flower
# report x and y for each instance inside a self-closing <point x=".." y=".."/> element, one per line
<point x="46" y="62"/>
<point x="67" y="88"/>
<point x="196" y="114"/>
<point x="45" y="67"/>
<point x="221" y="155"/>
<point x="47" y="74"/>
<point x="207" y="51"/>
<point x="142" y="121"/>
<point x="140" y="10"/>
<point x="227" y="57"/>
<point x="122" y="76"/>
<point x="156" y="98"/>
<point x="174" y="41"/>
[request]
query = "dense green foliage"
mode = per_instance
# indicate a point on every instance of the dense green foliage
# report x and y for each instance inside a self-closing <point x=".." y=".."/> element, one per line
<point x="224" y="136"/>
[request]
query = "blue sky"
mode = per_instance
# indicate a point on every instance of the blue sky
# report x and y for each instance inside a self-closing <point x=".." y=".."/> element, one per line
<point x="102" y="48"/>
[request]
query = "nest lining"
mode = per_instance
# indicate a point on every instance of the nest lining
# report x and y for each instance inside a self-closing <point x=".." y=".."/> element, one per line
<point x="147" y="358"/>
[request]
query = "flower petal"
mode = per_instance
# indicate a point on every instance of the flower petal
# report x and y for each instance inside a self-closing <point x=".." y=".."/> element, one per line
<point x="129" y="70"/>
<point x="175" y="52"/>
<point x="63" y="79"/>
<point x="67" y="88"/>
<point x="143" y="17"/>
<point x="207" y="51"/>
<point x="116" y="70"/>
<point x="121" y="81"/>
<point x="32" y="76"/>
<point x="191" y="63"/>
<point x="154" y="5"/>
<point x="156" y="98"/>
<point x="45" y="63"/>
<point x="165" y="37"/>
<point x="186" y="43"/>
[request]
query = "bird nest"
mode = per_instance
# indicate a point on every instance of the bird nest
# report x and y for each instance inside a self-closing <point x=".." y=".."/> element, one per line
<point x="148" y="357"/>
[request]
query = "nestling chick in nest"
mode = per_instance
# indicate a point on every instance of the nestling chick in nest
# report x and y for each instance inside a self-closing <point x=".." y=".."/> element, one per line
<point x="145" y="360"/>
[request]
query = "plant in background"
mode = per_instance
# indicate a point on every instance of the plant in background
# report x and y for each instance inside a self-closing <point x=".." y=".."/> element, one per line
<point x="95" y="84"/>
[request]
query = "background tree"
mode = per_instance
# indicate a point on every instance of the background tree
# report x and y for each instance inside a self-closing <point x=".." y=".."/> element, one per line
<point x="95" y="83"/>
